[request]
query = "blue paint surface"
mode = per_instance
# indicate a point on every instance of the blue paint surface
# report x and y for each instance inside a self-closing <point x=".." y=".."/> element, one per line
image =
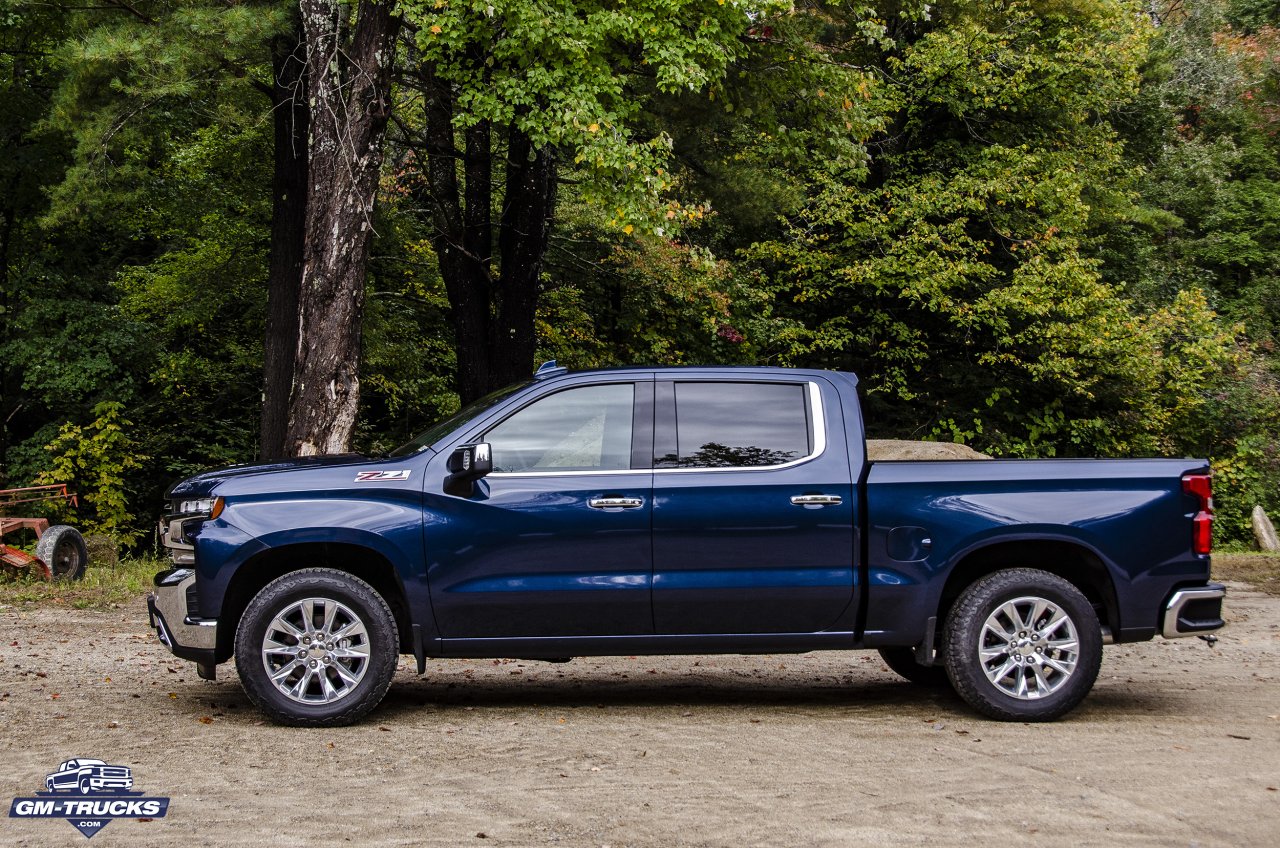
<point x="710" y="556"/>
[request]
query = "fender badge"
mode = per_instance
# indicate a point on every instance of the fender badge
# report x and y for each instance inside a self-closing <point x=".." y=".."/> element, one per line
<point x="376" y="476"/>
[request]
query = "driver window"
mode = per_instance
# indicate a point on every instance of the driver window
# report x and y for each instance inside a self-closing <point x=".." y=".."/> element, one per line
<point x="582" y="429"/>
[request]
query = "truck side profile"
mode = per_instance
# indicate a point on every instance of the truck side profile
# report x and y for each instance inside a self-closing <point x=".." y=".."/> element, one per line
<point x="88" y="776"/>
<point x="679" y="511"/>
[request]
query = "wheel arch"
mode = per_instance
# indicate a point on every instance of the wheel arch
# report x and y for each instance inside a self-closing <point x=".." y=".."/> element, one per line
<point x="262" y="568"/>
<point x="1069" y="559"/>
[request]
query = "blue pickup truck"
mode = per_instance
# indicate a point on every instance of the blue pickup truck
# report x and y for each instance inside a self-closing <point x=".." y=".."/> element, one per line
<point x="679" y="511"/>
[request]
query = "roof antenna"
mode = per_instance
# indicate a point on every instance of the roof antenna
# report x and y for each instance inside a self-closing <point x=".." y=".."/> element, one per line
<point x="549" y="369"/>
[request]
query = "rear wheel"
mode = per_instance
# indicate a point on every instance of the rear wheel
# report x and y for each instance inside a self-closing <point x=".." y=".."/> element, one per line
<point x="317" y="648"/>
<point x="903" y="661"/>
<point x="62" y="549"/>
<point x="1022" y="645"/>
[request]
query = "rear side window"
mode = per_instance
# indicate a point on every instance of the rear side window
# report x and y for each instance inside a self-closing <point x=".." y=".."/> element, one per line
<point x="582" y="429"/>
<point x="739" y="425"/>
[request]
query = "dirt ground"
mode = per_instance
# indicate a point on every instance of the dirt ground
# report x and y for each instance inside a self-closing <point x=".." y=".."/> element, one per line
<point x="1179" y="744"/>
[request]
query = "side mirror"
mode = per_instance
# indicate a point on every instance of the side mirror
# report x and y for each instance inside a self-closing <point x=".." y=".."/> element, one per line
<point x="467" y="464"/>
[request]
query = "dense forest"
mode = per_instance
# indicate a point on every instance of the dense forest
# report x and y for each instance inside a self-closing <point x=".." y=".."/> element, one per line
<point x="1038" y="227"/>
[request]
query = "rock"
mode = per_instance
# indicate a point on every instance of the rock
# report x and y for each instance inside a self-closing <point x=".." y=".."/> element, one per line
<point x="1264" y="531"/>
<point x="882" y="449"/>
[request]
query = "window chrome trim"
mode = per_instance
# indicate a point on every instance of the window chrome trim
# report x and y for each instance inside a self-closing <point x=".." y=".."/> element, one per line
<point x="819" y="448"/>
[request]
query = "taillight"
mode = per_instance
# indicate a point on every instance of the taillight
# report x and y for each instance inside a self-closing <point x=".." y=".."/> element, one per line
<point x="1201" y="486"/>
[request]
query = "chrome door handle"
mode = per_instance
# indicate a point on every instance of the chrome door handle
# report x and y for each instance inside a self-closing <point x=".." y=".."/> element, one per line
<point x="817" y="500"/>
<point x="615" y="503"/>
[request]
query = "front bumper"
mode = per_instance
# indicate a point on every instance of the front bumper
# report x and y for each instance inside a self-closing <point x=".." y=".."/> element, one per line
<point x="190" y="638"/>
<point x="111" y="782"/>
<point x="1193" y="611"/>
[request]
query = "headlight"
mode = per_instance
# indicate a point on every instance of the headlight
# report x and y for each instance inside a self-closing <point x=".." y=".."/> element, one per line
<point x="203" y="505"/>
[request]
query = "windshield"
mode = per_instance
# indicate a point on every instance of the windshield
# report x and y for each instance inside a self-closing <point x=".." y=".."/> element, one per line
<point x="440" y="429"/>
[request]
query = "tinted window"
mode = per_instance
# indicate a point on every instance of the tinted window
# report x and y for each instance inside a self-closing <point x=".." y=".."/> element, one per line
<point x="726" y="425"/>
<point x="583" y="429"/>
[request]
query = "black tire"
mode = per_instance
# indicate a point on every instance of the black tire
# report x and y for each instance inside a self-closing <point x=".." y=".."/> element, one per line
<point x="1037" y="651"/>
<point x="903" y="661"/>
<point x="62" y="548"/>
<point x="329" y="586"/>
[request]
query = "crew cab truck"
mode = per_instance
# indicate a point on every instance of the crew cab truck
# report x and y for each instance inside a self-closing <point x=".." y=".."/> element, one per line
<point x="88" y="776"/>
<point x="679" y="511"/>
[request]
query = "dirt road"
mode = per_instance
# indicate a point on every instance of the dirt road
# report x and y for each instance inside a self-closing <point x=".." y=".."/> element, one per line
<point x="1178" y="745"/>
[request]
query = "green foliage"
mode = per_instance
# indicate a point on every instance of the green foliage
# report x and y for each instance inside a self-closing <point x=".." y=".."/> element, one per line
<point x="576" y="76"/>
<point x="408" y="359"/>
<point x="97" y="461"/>
<point x="956" y="278"/>
<point x="1202" y="141"/>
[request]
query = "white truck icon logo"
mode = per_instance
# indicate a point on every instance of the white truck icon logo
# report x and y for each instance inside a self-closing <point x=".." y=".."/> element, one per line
<point x="88" y="776"/>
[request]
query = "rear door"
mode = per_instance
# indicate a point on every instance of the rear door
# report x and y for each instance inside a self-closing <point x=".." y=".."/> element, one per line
<point x="753" y="515"/>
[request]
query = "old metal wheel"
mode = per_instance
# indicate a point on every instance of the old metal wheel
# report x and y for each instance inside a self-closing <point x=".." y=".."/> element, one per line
<point x="63" y="550"/>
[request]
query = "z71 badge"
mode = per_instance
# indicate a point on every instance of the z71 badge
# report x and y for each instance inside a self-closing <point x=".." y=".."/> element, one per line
<point x="377" y="476"/>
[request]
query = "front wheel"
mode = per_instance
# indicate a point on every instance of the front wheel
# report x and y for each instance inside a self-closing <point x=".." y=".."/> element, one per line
<point x="1022" y="645"/>
<point x="317" y="648"/>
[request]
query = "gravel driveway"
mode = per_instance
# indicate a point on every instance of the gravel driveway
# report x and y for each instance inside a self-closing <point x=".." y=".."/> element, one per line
<point x="1179" y="744"/>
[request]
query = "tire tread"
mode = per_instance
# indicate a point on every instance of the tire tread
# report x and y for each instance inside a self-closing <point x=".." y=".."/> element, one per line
<point x="959" y="656"/>
<point x="382" y="666"/>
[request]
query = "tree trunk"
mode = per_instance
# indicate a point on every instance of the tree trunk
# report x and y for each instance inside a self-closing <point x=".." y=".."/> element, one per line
<point x="465" y="267"/>
<point x="492" y="310"/>
<point x="7" y="216"/>
<point x="527" y="211"/>
<point x="288" y="230"/>
<point x="348" y="89"/>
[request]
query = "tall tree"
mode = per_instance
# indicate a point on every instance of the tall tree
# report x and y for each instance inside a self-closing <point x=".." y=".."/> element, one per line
<point x="348" y="84"/>
<point x="289" y="187"/>
<point x="507" y="98"/>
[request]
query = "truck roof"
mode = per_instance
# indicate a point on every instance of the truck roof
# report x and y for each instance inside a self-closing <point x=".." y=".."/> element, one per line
<point x="550" y="370"/>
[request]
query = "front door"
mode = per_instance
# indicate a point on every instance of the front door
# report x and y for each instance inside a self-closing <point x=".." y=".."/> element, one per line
<point x="556" y="540"/>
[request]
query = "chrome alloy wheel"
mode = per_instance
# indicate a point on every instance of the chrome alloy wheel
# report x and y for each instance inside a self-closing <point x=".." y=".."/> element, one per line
<point x="1029" y="647"/>
<point x="316" y="651"/>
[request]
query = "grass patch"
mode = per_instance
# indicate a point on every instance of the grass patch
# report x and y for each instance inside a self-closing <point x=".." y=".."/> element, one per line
<point x="1262" y="570"/>
<point x="101" y="587"/>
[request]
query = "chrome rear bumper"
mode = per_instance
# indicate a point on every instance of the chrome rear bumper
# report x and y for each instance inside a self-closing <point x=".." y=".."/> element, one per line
<point x="1193" y="612"/>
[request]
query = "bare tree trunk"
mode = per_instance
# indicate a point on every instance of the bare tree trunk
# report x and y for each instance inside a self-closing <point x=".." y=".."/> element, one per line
<point x="348" y="89"/>
<point x="461" y="236"/>
<point x="7" y="215"/>
<point x="288" y="231"/>
<point x="527" y="211"/>
<point x="492" y="310"/>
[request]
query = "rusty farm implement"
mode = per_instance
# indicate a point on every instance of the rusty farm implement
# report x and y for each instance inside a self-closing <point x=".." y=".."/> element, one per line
<point x="60" y="550"/>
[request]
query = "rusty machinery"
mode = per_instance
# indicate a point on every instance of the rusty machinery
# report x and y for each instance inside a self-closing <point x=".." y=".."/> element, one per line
<point x="60" y="550"/>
